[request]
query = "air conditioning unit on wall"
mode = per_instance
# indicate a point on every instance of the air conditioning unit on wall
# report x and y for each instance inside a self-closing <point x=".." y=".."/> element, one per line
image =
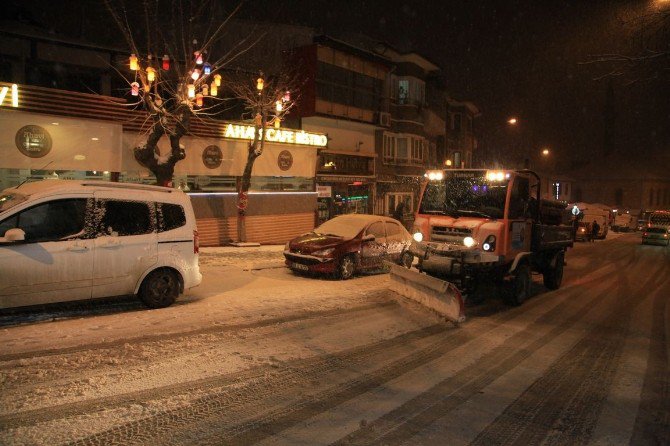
<point x="385" y="119"/>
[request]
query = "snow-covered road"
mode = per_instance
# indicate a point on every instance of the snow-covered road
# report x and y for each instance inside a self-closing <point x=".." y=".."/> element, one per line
<point x="259" y="355"/>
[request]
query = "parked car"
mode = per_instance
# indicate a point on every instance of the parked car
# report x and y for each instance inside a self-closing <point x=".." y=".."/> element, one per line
<point x="348" y="244"/>
<point x="64" y="240"/>
<point x="656" y="235"/>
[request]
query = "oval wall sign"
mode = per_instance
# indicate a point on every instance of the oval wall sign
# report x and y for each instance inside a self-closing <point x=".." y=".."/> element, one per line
<point x="212" y="157"/>
<point x="285" y="160"/>
<point x="33" y="141"/>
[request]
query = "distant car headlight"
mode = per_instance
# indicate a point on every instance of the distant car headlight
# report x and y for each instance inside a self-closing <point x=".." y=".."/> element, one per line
<point x="323" y="252"/>
<point x="469" y="242"/>
<point x="417" y="236"/>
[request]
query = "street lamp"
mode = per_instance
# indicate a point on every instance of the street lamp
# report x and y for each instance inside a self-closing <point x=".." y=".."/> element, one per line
<point x="545" y="152"/>
<point x="512" y="121"/>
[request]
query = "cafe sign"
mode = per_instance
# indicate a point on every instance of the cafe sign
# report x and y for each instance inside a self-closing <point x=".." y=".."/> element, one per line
<point x="33" y="141"/>
<point x="284" y="136"/>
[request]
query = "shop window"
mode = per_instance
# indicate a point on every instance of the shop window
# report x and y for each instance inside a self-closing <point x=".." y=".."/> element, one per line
<point x="281" y="184"/>
<point x="399" y="202"/>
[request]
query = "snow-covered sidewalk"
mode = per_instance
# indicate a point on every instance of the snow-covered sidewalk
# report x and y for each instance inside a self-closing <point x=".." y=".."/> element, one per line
<point x="246" y="258"/>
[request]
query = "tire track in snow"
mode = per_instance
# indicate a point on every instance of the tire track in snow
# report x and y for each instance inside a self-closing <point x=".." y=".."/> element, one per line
<point x="216" y="328"/>
<point x="563" y="406"/>
<point x="408" y="420"/>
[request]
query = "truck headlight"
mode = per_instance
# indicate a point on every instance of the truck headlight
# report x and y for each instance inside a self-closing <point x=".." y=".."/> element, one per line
<point x="469" y="242"/>
<point x="490" y="243"/>
<point x="417" y="236"/>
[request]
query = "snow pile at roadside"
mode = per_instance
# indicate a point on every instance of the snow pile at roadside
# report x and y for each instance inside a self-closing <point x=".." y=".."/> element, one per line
<point x="246" y="258"/>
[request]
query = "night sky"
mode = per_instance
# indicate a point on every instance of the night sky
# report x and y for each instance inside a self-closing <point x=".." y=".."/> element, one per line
<point x="522" y="58"/>
<point x="525" y="59"/>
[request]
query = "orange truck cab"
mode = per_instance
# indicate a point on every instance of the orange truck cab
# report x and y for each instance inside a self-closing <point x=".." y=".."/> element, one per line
<point x="474" y="225"/>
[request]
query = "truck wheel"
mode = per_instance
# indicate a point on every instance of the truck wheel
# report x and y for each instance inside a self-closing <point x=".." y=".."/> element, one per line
<point x="519" y="288"/>
<point x="345" y="269"/>
<point x="553" y="277"/>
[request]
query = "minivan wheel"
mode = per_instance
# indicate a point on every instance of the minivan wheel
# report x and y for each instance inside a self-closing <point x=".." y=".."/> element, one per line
<point x="345" y="269"/>
<point x="160" y="288"/>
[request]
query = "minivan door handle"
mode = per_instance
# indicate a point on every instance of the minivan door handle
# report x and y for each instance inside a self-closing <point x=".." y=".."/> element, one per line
<point x="111" y="243"/>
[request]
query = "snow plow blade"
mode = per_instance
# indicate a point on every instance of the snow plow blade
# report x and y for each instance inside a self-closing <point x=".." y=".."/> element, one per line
<point x="439" y="295"/>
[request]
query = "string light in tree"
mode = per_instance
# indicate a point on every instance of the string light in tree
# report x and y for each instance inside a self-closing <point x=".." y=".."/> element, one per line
<point x="166" y="62"/>
<point x="217" y="80"/>
<point x="205" y="90"/>
<point x="213" y="90"/>
<point x="151" y="74"/>
<point x="135" y="89"/>
<point x="198" y="58"/>
<point x="206" y="68"/>
<point x="260" y="83"/>
<point x="133" y="62"/>
<point x="198" y="99"/>
<point x="191" y="90"/>
<point x="195" y="74"/>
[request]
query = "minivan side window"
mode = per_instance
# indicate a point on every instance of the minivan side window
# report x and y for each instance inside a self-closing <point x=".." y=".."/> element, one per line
<point x="50" y="221"/>
<point x="121" y="218"/>
<point x="170" y="216"/>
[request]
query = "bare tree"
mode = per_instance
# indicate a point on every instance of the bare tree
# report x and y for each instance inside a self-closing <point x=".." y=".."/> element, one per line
<point x="645" y="53"/>
<point x="266" y="102"/>
<point x="172" y="71"/>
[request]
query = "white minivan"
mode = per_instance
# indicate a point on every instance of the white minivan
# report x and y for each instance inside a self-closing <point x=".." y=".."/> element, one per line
<point x="64" y="240"/>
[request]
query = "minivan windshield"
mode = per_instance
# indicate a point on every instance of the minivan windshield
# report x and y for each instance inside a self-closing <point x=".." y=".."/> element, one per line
<point x="9" y="200"/>
<point x="465" y="193"/>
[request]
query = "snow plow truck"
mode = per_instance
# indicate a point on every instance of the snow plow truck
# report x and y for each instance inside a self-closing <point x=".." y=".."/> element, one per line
<point x="473" y="226"/>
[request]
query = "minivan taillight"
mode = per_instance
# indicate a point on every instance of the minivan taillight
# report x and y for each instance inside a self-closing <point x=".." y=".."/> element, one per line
<point x="196" y="242"/>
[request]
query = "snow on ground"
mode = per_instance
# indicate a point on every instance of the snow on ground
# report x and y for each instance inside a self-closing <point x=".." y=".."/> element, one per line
<point x="245" y="258"/>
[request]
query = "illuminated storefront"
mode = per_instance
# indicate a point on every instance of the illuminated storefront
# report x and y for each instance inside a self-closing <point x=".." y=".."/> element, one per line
<point x="68" y="144"/>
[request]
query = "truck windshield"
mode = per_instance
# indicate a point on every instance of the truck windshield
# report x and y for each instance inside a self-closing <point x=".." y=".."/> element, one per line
<point x="465" y="193"/>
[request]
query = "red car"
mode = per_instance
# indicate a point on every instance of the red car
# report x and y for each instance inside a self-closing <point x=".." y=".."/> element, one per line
<point x="348" y="244"/>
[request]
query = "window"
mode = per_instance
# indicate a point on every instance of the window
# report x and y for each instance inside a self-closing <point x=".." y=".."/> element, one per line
<point x="402" y="154"/>
<point x="520" y="196"/>
<point x="376" y="229"/>
<point x="457" y="160"/>
<point x="418" y="149"/>
<point x="123" y="218"/>
<point x="456" y="123"/>
<point x="54" y="220"/>
<point x="411" y="91"/>
<point x="403" y="149"/>
<point x="170" y="216"/>
<point x="342" y="86"/>
<point x="403" y="91"/>
<point x="395" y="199"/>
<point x="389" y="148"/>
